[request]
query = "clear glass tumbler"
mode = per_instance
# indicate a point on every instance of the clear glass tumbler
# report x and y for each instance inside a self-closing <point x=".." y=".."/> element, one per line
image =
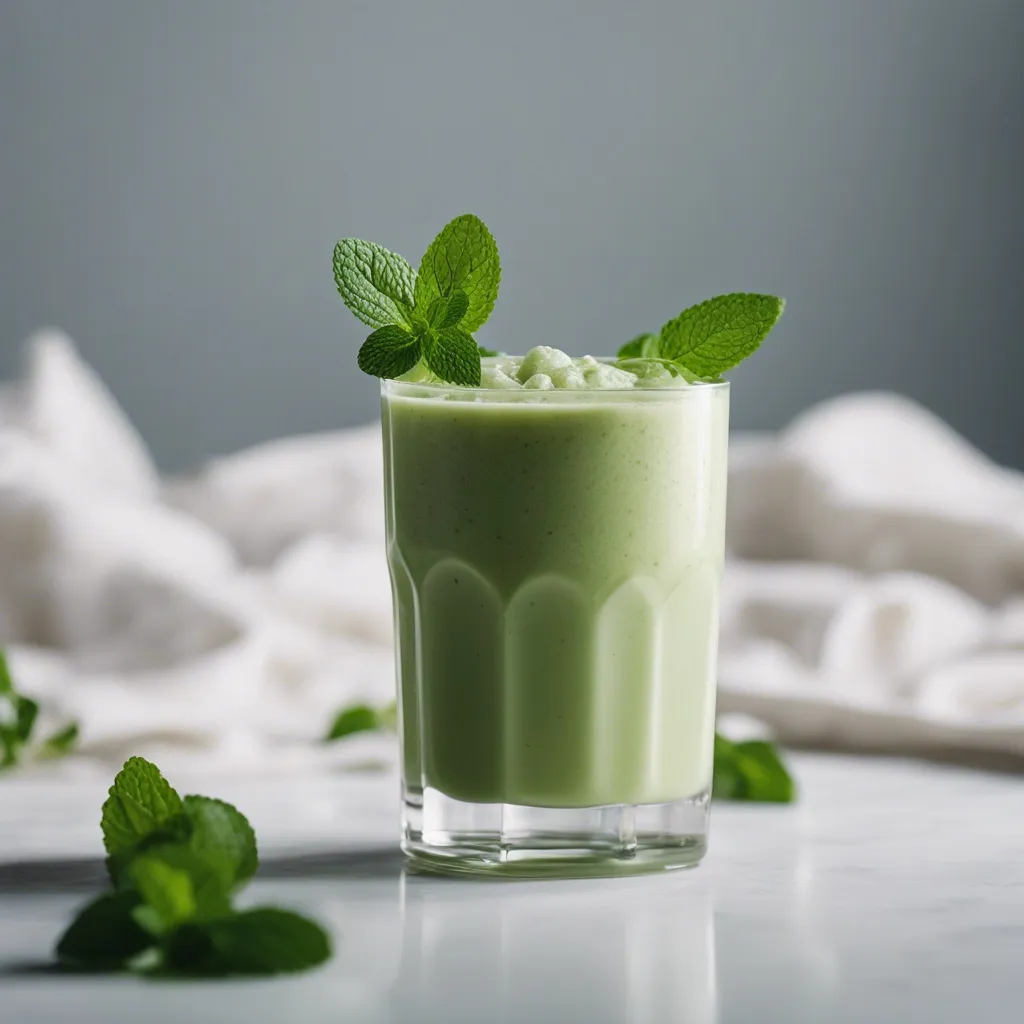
<point x="555" y="560"/>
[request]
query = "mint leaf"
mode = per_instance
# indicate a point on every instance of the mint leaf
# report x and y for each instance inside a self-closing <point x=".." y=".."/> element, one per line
<point x="60" y="743"/>
<point x="464" y="256"/>
<point x="140" y="802"/>
<point x="752" y="771"/>
<point x="358" y="718"/>
<point x="221" y="829"/>
<point x="643" y="345"/>
<point x="389" y="352"/>
<point x="104" y="935"/>
<point x="176" y="863"/>
<point x="447" y="310"/>
<point x="453" y="356"/>
<point x="261" y="941"/>
<point x="167" y="891"/>
<point x="486" y="351"/>
<point x="6" y="682"/>
<point x="715" y="335"/>
<point x="180" y="884"/>
<point x="375" y="284"/>
<point x="17" y="718"/>
<point x="362" y="718"/>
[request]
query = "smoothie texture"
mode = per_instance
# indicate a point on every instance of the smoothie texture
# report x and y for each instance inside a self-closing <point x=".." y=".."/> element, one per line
<point x="555" y="540"/>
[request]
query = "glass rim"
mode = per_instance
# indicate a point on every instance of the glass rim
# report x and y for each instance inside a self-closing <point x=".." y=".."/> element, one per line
<point x="424" y="389"/>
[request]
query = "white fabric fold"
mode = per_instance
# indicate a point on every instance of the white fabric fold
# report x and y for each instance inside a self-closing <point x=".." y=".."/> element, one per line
<point x="873" y="594"/>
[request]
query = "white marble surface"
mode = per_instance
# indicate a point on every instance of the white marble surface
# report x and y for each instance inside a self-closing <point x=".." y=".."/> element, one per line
<point x="894" y="892"/>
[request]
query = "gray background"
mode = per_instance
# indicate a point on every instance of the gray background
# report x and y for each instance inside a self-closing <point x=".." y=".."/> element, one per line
<point x="173" y="176"/>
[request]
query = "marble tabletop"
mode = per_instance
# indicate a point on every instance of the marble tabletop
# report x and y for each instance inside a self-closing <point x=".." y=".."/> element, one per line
<point x="894" y="891"/>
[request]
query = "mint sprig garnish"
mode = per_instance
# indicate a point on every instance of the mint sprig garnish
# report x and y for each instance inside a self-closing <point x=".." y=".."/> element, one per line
<point x="18" y="718"/>
<point x="426" y="317"/>
<point x="176" y="865"/>
<point x="750" y="770"/>
<point x="708" y="339"/>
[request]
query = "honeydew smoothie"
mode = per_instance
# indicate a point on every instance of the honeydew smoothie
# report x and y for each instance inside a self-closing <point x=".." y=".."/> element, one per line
<point x="555" y="531"/>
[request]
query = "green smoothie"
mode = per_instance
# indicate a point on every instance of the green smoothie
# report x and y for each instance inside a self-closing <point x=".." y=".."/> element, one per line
<point x="555" y="552"/>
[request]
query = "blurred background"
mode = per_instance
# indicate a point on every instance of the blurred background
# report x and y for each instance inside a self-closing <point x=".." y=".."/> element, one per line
<point x="173" y="177"/>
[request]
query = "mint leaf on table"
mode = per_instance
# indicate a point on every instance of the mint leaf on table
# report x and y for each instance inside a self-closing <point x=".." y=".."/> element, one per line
<point x="265" y="940"/>
<point x="18" y="716"/>
<point x="141" y="801"/>
<point x="362" y="718"/>
<point x="179" y="884"/>
<point x="176" y="865"/>
<point x="375" y="284"/>
<point x="715" y="335"/>
<point x="60" y="743"/>
<point x="219" y="827"/>
<point x="750" y="770"/>
<point x="105" y="934"/>
<point x="463" y="256"/>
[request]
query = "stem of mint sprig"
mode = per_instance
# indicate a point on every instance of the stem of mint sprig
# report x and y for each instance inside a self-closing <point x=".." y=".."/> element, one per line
<point x="426" y="316"/>
<point x="707" y="339"/>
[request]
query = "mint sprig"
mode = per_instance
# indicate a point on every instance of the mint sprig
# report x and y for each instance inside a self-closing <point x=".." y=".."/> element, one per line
<point x="426" y="317"/>
<point x="708" y="339"/>
<point x="176" y="865"/>
<point x="18" y="719"/>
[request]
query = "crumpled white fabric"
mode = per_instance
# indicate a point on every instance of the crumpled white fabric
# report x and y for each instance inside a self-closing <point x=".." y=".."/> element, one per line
<point x="873" y="596"/>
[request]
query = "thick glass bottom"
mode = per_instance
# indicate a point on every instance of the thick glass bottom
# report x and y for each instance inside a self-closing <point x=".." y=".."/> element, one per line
<point x="452" y="837"/>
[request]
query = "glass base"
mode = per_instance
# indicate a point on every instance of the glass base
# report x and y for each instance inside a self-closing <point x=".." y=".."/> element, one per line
<point x="452" y="837"/>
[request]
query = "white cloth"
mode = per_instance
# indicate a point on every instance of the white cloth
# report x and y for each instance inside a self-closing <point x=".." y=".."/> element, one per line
<point x="873" y="598"/>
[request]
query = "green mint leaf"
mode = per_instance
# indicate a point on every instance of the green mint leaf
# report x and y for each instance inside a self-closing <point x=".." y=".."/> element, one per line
<point x="376" y="284"/>
<point x="140" y="802"/>
<point x="448" y="310"/>
<point x="452" y="355"/>
<point x="6" y="682"/>
<point x="221" y="829"/>
<point x="727" y="782"/>
<point x="358" y="718"/>
<point x="486" y="351"/>
<point x="261" y="941"/>
<point x="17" y="718"/>
<point x="764" y="774"/>
<point x="176" y="830"/>
<point x="362" y="718"/>
<point x="752" y="771"/>
<point x="168" y="893"/>
<point x="464" y="256"/>
<point x="389" y="352"/>
<point x="104" y="935"/>
<point x="642" y="346"/>
<point x="61" y="743"/>
<point x="715" y="335"/>
<point x="180" y="884"/>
